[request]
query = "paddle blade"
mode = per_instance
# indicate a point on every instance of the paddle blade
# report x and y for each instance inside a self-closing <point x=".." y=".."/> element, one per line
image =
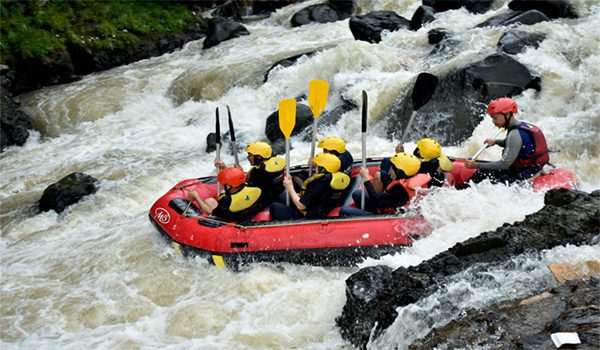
<point x="365" y="111"/>
<point x="423" y="90"/>
<point x="318" y="91"/>
<point x="231" y="129"/>
<point x="217" y="127"/>
<point x="287" y="116"/>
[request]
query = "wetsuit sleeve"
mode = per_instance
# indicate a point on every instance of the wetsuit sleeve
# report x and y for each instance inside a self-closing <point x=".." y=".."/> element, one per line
<point x="397" y="197"/>
<point x="222" y="210"/>
<point x="501" y="142"/>
<point x="510" y="154"/>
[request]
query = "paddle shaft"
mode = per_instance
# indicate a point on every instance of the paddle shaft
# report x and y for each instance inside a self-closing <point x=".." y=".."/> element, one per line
<point x="412" y="117"/>
<point x="312" y="146"/>
<point x="364" y="165"/>
<point x="287" y="168"/>
<point x="485" y="146"/>
<point x="218" y="158"/>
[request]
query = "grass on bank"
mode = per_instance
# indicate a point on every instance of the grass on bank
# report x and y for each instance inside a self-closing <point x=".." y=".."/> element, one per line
<point x="37" y="28"/>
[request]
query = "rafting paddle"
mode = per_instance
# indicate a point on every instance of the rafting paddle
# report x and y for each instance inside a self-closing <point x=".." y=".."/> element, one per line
<point x="484" y="147"/>
<point x="364" y="141"/>
<point x="287" y="121"/>
<point x="234" y="144"/>
<point x="422" y="91"/>
<point x="317" y="100"/>
<point x="218" y="143"/>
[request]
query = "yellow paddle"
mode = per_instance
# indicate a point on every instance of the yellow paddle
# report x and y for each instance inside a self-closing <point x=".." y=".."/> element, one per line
<point x="287" y="121"/>
<point x="317" y="100"/>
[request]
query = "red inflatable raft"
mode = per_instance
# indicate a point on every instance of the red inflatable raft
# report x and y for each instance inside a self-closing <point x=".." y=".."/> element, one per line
<point x="333" y="241"/>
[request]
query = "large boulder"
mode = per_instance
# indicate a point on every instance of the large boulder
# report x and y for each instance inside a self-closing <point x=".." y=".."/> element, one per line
<point x="423" y="14"/>
<point x="551" y="8"/>
<point x="332" y="11"/>
<point x="525" y="323"/>
<point x="221" y="29"/>
<point x="475" y="6"/>
<point x="369" y="27"/>
<point x="34" y="73"/>
<point x="515" y="17"/>
<point x="69" y="190"/>
<point x="14" y="123"/>
<point x="287" y="62"/>
<point x="238" y="9"/>
<point x="330" y="117"/>
<point x="303" y="120"/>
<point x="515" y="41"/>
<point x="568" y="217"/>
<point x="459" y="100"/>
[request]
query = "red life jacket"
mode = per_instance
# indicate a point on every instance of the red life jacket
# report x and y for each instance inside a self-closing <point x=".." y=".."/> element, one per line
<point x="539" y="156"/>
<point x="411" y="184"/>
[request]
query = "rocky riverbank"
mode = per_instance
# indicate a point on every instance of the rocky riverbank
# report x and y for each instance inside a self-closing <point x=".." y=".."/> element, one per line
<point x="374" y="293"/>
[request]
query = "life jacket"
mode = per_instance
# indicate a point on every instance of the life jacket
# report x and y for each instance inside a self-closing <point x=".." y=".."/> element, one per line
<point x="274" y="164"/>
<point x="311" y="179"/>
<point x="534" y="151"/>
<point x="411" y="184"/>
<point x="244" y="199"/>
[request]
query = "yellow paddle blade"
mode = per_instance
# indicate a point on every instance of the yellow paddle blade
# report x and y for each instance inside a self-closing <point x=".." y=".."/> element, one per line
<point x="317" y="96"/>
<point x="287" y="116"/>
<point x="218" y="261"/>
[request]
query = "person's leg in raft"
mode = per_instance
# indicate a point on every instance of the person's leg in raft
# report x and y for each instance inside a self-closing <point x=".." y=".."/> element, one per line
<point x="349" y="211"/>
<point x="495" y="176"/>
<point x="280" y="211"/>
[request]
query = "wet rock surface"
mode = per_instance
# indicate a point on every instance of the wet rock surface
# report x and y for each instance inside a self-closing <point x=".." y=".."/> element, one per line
<point x="14" y="123"/>
<point x="526" y="323"/>
<point x="459" y="100"/>
<point x="68" y="190"/>
<point x="516" y="41"/>
<point x="221" y="29"/>
<point x="372" y="295"/>
<point x="331" y="11"/>
<point x="369" y="27"/>
<point x="551" y="8"/>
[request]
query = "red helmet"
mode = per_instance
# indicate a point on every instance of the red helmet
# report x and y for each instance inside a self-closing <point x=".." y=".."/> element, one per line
<point x="233" y="177"/>
<point x="502" y="105"/>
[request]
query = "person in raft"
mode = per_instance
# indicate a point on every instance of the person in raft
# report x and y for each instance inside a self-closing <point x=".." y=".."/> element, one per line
<point x="238" y="203"/>
<point x="525" y="150"/>
<point x="266" y="171"/>
<point x="337" y="147"/>
<point x="405" y="181"/>
<point x="321" y="192"/>
<point x="433" y="161"/>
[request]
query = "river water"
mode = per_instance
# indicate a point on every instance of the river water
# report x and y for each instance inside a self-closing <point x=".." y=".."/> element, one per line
<point x="99" y="276"/>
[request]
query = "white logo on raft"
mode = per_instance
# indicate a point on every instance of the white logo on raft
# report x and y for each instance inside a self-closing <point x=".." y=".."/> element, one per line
<point x="162" y="216"/>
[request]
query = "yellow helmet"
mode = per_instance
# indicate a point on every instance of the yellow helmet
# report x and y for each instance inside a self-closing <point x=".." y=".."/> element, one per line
<point x="429" y="148"/>
<point x="330" y="162"/>
<point x="259" y="149"/>
<point x="408" y="163"/>
<point x="333" y="143"/>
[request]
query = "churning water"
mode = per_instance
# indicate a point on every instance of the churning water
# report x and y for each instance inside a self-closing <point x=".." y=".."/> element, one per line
<point x="99" y="276"/>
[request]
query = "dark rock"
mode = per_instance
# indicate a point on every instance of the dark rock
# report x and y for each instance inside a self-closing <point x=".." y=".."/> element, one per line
<point x="475" y="6"/>
<point x="369" y="27"/>
<point x="423" y="14"/>
<point x="526" y="323"/>
<point x="14" y="123"/>
<point x="515" y="41"/>
<point x="459" y="100"/>
<point x="551" y="8"/>
<point x="510" y="17"/>
<point x="34" y="73"/>
<point x="221" y="29"/>
<point x="7" y="78"/>
<point x="332" y="11"/>
<point x="303" y="120"/>
<point x="573" y="217"/>
<point x="330" y="118"/>
<point x="69" y="190"/>
<point x="436" y="35"/>
<point x="286" y="62"/>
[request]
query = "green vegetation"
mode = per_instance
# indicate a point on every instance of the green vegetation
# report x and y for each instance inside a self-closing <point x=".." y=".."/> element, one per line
<point x="38" y="28"/>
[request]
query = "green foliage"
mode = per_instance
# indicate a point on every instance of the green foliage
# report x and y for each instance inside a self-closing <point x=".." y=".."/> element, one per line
<point x="36" y="29"/>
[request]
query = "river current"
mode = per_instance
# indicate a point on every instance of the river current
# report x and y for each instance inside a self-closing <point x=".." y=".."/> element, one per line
<point x="99" y="276"/>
